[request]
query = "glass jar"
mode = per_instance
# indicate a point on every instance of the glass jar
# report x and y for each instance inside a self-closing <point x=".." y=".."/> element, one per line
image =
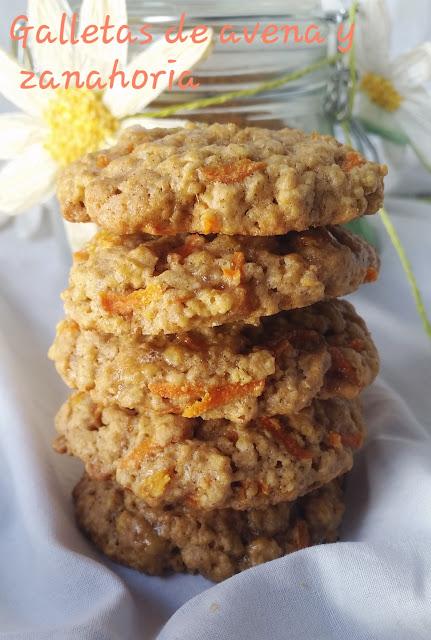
<point x="231" y="67"/>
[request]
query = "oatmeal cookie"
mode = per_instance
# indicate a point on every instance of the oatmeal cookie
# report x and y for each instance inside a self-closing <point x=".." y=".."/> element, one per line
<point x="106" y="513"/>
<point x="212" y="464"/>
<point x="237" y="372"/>
<point x="216" y="544"/>
<point x="220" y="179"/>
<point x="128" y="284"/>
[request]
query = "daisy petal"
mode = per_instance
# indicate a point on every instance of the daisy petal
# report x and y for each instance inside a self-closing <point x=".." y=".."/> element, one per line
<point x="128" y="101"/>
<point x="413" y="118"/>
<point x="413" y="69"/>
<point x="152" y="123"/>
<point x="373" y="115"/>
<point x="39" y="170"/>
<point x="373" y="36"/>
<point x="98" y="55"/>
<point x="395" y="154"/>
<point x="17" y="132"/>
<point x="32" y="101"/>
<point x="79" y="233"/>
<point x="55" y="57"/>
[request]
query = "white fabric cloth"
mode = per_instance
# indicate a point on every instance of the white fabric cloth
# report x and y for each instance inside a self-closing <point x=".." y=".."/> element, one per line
<point x="376" y="583"/>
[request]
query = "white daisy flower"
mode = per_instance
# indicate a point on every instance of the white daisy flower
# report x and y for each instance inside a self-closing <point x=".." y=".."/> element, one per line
<point x="57" y="126"/>
<point x="392" y="98"/>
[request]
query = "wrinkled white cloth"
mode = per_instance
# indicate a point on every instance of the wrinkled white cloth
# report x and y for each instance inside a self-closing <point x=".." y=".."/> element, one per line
<point x="376" y="583"/>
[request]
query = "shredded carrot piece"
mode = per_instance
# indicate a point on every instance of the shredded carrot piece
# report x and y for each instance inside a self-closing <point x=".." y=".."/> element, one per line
<point x="81" y="256"/>
<point x="76" y="398"/>
<point x="72" y="324"/>
<point x="334" y="439"/>
<point x="219" y="396"/>
<point x="351" y="440"/>
<point x="136" y="455"/>
<point x="231" y="172"/>
<point x="211" y="223"/>
<point x="124" y="304"/>
<point x="154" y="485"/>
<point x="102" y="160"/>
<point x="357" y="344"/>
<point x="60" y="445"/>
<point x="352" y="159"/>
<point x="273" y="425"/>
<point x="208" y="398"/>
<point x="371" y="275"/>
<point x="103" y="239"/>
<point x="237" y="263"/>
<point x="341" y="368"/>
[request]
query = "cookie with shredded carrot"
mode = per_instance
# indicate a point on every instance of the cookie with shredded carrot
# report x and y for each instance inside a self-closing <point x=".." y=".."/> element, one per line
<point x="212" y="464"/>
<point x="220" y="178"/>
<point x="216" y="544"/>
<point x="237" y="372"/>
<point x="142" y="284"/>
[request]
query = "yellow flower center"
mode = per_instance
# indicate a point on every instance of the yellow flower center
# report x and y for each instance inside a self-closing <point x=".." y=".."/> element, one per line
<point x="381" y="91"/>
<point x="79" y="122"/>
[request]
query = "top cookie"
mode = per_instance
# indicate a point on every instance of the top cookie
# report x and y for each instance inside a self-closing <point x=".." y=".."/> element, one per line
<point x="220" y="178"/>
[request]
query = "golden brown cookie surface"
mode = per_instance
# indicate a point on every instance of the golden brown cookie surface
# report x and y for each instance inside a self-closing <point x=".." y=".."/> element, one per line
<point x="212" y="464"/>
<point x="234" y="372"/>
<point x="131" y="284"/>
<point x="220" y="179"/>
<point x="216" y="544"/>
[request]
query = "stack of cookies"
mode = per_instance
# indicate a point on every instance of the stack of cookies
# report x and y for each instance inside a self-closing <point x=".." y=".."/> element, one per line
<point x="216" y="374"/>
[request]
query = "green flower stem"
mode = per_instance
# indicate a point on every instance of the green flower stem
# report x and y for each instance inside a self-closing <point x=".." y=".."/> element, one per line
<point x="243" y="93"/>
<point x="346" y="131"/>
<point x="397" y="137"/>
<point x="405" y="262"/>
<point x="352" y="58"/>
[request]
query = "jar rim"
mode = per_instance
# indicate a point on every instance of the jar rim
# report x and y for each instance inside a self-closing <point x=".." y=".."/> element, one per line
<point x="163" y="10"/>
